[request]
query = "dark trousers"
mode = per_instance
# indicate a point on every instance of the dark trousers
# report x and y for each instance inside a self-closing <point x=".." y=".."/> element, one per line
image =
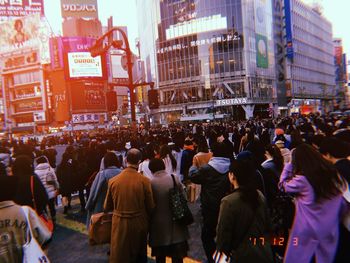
<point x="208" y="237"/>
<point x="52" y="208"/>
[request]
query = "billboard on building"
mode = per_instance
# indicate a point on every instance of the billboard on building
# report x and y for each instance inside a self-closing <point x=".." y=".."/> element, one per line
<point x="79" y="8"/>
<point x="262" y="57"/>
<point x="81" y="64"/>
<point x="72" y="54"/>
<point x="26" y="32"/>
<point x="20" y="8"/>
<point x="88" y="95"/>
<point x="288" y="26"/>
<point x="261" y="39"/>
<point x="338" y="60"/>
<point x="60" y="97"/>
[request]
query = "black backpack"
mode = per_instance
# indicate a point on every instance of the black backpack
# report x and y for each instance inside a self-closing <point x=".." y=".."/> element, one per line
<point x="282" y="213"/>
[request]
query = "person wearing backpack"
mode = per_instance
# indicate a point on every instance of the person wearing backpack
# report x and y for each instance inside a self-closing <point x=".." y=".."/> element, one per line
<point x="49" y="180"/>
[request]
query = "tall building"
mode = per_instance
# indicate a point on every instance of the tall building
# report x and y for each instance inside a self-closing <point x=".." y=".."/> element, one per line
<point x="310" y="71"/>
<point x="341" y="76"/>
<point x="209" y="58"/>
<point x="24" y="57"/>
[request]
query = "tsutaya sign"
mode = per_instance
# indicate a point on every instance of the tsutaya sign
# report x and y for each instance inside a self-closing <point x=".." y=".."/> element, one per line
<point x="229" y="102"/>
<point x="79" y="8"/>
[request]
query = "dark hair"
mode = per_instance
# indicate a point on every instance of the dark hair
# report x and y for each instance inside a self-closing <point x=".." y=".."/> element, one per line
<point x="202" y="146"/>
<point x="164" y="151"/>
<point x="23" y="166"/>
<point x="220" y="149"/>
<point x="133" y="156"/>
<point x="276" y="155"/>
<point x="320" y="173"/>
<point x="41" y="159"/>
<point x="246" y="177"/>
<point x="335" y="147"/>
<point x="317" y="139"/>
<point x="156" y="165"/>
<point x="8" y="187"/>
<point x="148" y="152"/>
<point x="110" y="159"/>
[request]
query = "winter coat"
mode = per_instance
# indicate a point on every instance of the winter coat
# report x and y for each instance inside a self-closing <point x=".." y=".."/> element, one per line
<point x="130" y="197"/>
<point x="163" y="230"/>
<point x="98" y="191"/>
<point x="14" y="229"/>
<point x="215" y="185"/>
<point x="24" y="194"/>
<point x="238" y="224"/>
<point x="315" y="226"/>
<point x="186" y="162"/>
<point x="66" y="173"/>
<point x="201" y="159"/>
<point x="48" y="178"/>
<point x="5" y="158"/>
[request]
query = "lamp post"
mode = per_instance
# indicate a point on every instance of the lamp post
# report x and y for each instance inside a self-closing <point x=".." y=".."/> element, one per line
<point x="101" y="48"/>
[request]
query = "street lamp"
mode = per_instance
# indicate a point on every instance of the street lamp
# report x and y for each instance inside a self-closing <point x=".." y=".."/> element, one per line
<point x="100" y="48"/>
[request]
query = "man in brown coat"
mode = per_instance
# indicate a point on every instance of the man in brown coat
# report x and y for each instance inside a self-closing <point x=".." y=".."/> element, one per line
<point x="130" y="198"/>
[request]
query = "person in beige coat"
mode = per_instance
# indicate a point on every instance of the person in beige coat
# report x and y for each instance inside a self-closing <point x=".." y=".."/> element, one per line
<point x="130" y="198"/>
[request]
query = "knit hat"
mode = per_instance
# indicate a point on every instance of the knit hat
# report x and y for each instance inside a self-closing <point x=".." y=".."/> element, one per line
<point x="279" y="131"/>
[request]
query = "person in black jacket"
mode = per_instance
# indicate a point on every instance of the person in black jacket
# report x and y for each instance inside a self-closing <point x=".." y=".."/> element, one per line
<point x="24" y="171"/>
<point x="215" y="185"/>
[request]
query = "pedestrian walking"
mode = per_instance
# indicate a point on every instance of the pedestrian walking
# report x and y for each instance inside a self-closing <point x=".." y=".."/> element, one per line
<point x="167" y="238"/>
<point x="130" y="198"/>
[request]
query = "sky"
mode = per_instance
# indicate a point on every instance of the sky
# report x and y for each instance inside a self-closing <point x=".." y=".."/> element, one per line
<point x="124" y="14"/>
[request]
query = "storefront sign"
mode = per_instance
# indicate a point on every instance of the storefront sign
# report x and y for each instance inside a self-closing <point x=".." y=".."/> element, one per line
<point x="16" y="8"/>
<point x="15" y="62"/>
<point x="89" y="117"/>
<point x="29" y="106"/>
<point x="39" y="116"/>
<point x="229" y="102"/>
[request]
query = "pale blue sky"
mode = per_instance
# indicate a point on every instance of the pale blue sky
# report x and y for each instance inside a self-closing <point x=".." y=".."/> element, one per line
<point x="124" y="14"/>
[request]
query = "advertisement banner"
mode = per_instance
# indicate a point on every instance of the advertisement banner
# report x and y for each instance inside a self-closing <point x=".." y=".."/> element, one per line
<point x="288" y="25"/>
<point x="79" y="8"/>
<point x="81" y="64"/>
<point x="262" y="58"/>
<point x="26" y="32"/>
<point x="88" y="95"/>
<point x="75" y="57"/>
<point x="17" y="8"/>
<point x="60" y="97"/>
<point x="338" y="60"/>
<point x="29" y="106"/>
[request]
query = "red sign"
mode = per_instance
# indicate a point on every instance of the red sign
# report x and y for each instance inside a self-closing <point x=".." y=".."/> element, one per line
<point x="32" y="105"/>
<point x="15" y="8"/>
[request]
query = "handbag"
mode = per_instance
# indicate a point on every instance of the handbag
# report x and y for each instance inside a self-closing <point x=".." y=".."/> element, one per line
<point x="48" y="222"/>
<point x="100" y="228"/>
<point x="178" y="205"/>
<point x="32" y="251"/>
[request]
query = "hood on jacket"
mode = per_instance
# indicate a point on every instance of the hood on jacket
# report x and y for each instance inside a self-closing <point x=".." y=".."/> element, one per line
<point x="220" y="164"/>
<point x="42" y="166"/>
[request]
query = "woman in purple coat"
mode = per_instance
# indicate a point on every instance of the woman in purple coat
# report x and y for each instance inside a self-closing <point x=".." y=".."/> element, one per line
<point x="318" y="203"/>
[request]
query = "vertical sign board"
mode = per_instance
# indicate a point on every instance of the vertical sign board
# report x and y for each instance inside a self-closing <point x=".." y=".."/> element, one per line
<point x="279" y="54"/>
<point x="261" y="40"/>
<point x="288" y="25"/>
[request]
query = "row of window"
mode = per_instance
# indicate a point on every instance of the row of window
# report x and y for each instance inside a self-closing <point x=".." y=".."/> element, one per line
<point x="26" y="77"/>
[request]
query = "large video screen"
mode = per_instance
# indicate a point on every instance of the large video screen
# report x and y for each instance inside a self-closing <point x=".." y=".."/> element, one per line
<point x="81" y="64"/>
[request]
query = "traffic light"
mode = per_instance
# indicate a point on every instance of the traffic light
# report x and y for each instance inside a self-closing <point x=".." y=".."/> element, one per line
<point x="153" y="99"/>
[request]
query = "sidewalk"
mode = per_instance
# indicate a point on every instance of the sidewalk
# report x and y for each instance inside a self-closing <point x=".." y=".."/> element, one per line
<point x="70" y="241"/>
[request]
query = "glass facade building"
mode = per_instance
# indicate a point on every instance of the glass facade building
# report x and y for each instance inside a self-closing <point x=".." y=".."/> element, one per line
<point x="311" y="73"/>
<point x="209" y="57"/>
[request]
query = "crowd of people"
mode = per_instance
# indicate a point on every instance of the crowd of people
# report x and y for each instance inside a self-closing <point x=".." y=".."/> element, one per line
<point x="269" y="190"/>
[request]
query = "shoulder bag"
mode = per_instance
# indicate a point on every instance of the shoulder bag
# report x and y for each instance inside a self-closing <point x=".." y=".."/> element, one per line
<point x="32" y="251"/>
<point x="178" y="205"/>
<point x="100" y="228"/>
<point x="44" y="218"/>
